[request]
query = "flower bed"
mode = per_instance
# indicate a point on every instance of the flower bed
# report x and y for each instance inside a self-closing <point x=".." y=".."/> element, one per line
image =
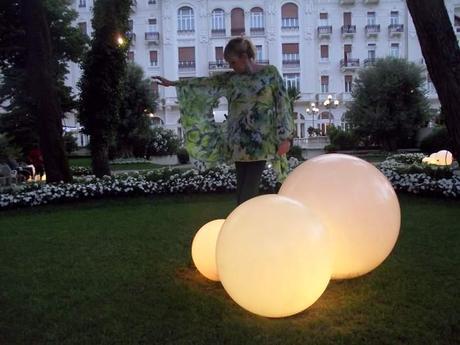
<point x="405" y="172"/>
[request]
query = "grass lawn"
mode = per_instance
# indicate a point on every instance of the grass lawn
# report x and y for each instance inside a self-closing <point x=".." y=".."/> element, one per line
<point x="86" y="162"/>
<point x="120" y="272"/>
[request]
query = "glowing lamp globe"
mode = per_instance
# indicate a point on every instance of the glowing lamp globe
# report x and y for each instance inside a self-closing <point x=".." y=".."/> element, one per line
<point x="204" y="249"/>
<point x="357" y="205"/>
<point x="443" y="157"/>
<point x="273" y="256"/>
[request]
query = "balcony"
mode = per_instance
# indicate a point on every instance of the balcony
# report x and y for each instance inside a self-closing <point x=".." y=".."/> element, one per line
<point x="369" y="62"/>
<point x="152" y="37"/>
<point x="257" y="31"/>
<point x="345" y="97"/>
<point x="321" y="97"/>
<point x="263" y="62"/>
<point x="217" y="32"/>
<point x="186" y="65"/>
<point x="131" y="36"/>
<point x="348" y="30"/>
<point x="324" y="31"/>
<point x="370" y="2"/>
<point x="290" y="23"/>
<point x="347" y="2"/>
<point x="350" y="65"/>
<point x="219" y="65"/>
<point x="291" y="63"/>
<point x="372" y="30"/>
<point x="395" y="30"/>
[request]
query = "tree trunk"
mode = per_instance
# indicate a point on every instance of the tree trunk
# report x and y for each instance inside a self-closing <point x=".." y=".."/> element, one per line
<point x="43" y="93"/>
<point x="442" y="56"/>
<point x="99" y="157"/>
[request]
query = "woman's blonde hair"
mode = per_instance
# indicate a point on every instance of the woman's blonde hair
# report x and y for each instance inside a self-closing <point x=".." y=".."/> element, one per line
<point x="238" y="46"/>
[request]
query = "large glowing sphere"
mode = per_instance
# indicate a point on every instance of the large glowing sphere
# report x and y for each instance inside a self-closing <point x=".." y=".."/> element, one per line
<point x="204" y="249"/>
<point x="357" y="205"/>
<point x="273" y="256"/>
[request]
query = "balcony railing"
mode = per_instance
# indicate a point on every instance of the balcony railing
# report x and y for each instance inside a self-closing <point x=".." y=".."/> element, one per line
<point x="217" y="32"/>
<point x="152" y="36"/>
<point x="395" y="29"/>
<point x="372" y="29"/>
<point x="347" y="64"/>
<point x="369" y="62"/>
<point x="368" y="2"/>
<point x="257" y="31"/>
<point x="218" y="65"/>
<point x="291" y="63"/>
<point x="347" y="2"/>
<point x="186" y="65"/>
<point x="289" y="23"/>
<point x="348" y="30"/>
<point x="263" y="62"/>
<point x="324" y="30"/>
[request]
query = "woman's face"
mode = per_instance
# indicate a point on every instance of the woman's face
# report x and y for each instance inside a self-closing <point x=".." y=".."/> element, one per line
<point x="239" y="64"/>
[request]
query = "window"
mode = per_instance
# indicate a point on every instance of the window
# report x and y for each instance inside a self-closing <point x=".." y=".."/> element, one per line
<point x="219" y="51"/>
<point x="259" y="53"/>
<point x="324" y="51"/>
<point x="83" y="28"/>
<point x="323" y="19"/>
<point x="186" y="57"/>
<point x="152" y="25"/>
<point x="371" y="51"/>
<point x="257" y="18"/>
<point x="218" y="19"/>
<point x="292" y="80"/>
<point x="289" y="16"/>
<point x="324" y="84"/>
<point x="346" y="18"/>
<point x="153" y="54"/>
<point x="130" y="25"/>
<point x="152" y="2"/>
<point x="457" y="16"/>
<point x="371" y="18"/>
<point x="82" y="3"/>
<point x="290" y="53"/>
<point x="185" y="19"/>
<point x="429" y="84"/>
<point x="347" y="52"/>
<point x="131" y="56"/>
<point x="237" y="22"/>
<point x="348" y="83"/>
<point x="394" y="50"/>
<point x="394" y="17"/>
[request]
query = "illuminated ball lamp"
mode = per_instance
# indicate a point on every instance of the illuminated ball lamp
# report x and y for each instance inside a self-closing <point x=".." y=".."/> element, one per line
<point x="204" y="249"/>
<point x="273" y="256"/>
<point x="357" y="205"/>
<point x="443" y="157"/>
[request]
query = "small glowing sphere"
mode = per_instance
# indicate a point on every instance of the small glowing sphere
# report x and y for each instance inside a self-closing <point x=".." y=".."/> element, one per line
<point x="273" y="256"/>
<point x="357" y="205"/>
<point x="204" y="249"/>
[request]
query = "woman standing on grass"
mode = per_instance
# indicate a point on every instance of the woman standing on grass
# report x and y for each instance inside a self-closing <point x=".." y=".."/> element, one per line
<point x="259" y="125"/>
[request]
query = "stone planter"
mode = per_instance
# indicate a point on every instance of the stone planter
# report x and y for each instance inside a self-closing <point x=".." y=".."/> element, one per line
<point x="165" y="160"/>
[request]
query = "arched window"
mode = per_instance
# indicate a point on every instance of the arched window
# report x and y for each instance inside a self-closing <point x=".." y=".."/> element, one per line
<point x="157" y="121"/>
<point x="237" y="19"/>
<point x="218" y="20"/>
<point x="289" y="16"/>
<point x="257" y="20"/>
<point x="185" y="19"/>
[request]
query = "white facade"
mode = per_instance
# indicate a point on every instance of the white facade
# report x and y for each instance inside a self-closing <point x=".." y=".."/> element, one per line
<point x="319" y="47"/>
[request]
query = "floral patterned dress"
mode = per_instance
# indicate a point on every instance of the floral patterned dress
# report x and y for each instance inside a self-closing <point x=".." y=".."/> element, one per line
<point x="259" y="117"/>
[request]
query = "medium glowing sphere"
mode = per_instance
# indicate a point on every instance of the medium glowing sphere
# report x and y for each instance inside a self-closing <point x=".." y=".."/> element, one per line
<point x="443" y="157"/>
<point x="357" y="205"/>
<point x="204" y="249"/>
<point x="273" y="256"/>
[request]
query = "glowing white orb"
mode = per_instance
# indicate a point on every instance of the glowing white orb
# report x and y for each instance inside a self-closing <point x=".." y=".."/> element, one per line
<point x="443" y="157"/>
<point x="357" y="205"/>
<point x="273" y="256"/>
<point x="204" y="249"/>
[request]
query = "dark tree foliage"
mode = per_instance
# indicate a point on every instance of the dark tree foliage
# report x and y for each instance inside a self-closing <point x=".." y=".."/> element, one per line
<point x="441" y="52"/>
<point x="104" y="68"/>
<point x="389" y="103"/>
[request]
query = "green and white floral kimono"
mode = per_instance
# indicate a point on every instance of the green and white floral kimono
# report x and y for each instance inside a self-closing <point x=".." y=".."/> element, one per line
<point x="259" y="117"/>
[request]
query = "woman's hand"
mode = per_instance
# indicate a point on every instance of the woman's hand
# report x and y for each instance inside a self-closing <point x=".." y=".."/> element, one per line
<point x="284" y="147"/>
<point x="163" y="81"/>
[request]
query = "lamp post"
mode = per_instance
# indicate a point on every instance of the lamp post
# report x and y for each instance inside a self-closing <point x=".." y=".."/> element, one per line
<point x="330" y="103"/>
<point x="313" y="111"/>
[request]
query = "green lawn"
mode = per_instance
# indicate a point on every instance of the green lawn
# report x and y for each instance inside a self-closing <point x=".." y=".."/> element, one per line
<point x="86" y="162"/>
<point x="120" y="272"/>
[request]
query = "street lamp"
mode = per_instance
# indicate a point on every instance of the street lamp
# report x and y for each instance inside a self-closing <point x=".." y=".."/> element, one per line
<point x="330" y="103"/>
<point x="313" y="111"/>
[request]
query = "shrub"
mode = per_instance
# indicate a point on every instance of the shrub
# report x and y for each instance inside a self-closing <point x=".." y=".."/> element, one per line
<point x="341" y="139"/>
<point x="439" y="139"/>
<point x="330" y="148"/>
<point x="296" y="152"/>
<point x="182" y="156"/>
<point x="162" y="142"/>
<point x="70" y="143"/>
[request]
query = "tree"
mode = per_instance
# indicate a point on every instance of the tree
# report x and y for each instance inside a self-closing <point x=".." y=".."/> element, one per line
<point x="35" y="49"/>
<point x="138" y="100"/>
<point x="101" y="84"/>
<point x="389" y="103"/>
<point x="441" y="52"/>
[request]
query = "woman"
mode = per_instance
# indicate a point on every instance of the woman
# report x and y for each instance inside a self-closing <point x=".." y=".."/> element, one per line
<point x="259" y="125"/>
